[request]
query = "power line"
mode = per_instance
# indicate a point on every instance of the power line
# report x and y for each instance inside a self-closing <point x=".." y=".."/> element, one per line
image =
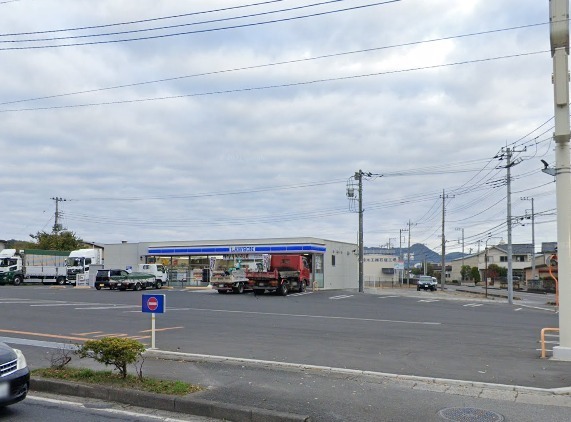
<point x="280" y="63"/>
<point x="200" y="31"/>
<point x="285" y="85"/>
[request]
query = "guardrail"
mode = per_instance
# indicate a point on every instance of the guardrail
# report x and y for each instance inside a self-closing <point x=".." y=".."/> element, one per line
<point x="543" y="331"/>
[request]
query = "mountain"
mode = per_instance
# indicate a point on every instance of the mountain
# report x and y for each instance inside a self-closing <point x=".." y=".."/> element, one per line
<point x="419" y="254"/>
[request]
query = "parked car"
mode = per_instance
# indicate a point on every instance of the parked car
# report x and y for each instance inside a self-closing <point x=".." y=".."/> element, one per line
<point x="426" y="282"/>
<point x="108" y="278"/>
<point x="14" y="375"/>
<point x="123" y="280"/>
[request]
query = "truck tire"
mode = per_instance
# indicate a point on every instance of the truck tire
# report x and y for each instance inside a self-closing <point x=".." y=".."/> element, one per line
<point x="283" y="289"/>
<point x="158" y="284"/>
<point x="137" y="287"/>
<point x="18" y="280"/>
<point x="302" y="286"/>
<point x="60" y="281"/>
<point x="239" y="289"/>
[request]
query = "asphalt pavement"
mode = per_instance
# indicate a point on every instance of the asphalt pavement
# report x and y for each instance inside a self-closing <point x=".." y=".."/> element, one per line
<point x="250" y="389"/>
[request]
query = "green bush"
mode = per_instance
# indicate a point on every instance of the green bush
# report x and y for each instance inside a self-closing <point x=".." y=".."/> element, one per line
<point x="115" y="351"/>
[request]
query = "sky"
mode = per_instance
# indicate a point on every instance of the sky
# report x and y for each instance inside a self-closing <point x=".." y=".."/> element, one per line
<point x="179" y="120"/>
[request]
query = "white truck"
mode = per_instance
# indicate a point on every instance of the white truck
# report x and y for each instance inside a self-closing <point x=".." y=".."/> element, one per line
<point x="158" y="270"/>
<point x="79" y="261"/>
<point x="32" y="265"/>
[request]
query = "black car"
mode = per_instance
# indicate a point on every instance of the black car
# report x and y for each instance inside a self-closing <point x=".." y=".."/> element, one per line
<point x="426" y="282"/>
<point x="14" y="375"/>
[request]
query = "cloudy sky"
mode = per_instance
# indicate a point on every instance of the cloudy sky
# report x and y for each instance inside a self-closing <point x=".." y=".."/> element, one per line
<point x="194" y="120"/>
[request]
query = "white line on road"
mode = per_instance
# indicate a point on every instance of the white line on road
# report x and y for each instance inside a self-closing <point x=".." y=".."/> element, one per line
<point x="69" y="304"/>
<point x="518" y="309"/>
<point x="472" y="305"/>
<point x="428" y="300"/>
<point x="38" y="343"/>
<point x="340" y="297"/>
<point x="307" y="316"/>
<point x="111" y="307"/>
<point x="300" y="294"/>
<point x="385" y="297"/>
<point x="134" y="415"/>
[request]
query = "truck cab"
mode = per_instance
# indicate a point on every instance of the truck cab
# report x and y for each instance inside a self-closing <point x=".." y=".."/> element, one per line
<point x="79" y="261"/>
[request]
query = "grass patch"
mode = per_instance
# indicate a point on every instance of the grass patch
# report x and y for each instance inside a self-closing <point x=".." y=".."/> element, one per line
<point x="111" y="379"/>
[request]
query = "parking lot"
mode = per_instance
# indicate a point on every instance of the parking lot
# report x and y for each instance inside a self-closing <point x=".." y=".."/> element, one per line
<point x="413" y="333"/>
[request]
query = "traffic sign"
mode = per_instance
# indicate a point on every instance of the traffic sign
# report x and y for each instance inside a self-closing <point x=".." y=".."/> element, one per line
<point x="153" y="304"/>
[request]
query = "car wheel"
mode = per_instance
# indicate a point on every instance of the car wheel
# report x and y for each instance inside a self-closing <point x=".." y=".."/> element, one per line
<point x="97" y="287"/>
<point x="60" y="281"/>
<point x="18" y="280"/>
<point x="137" y="287"/>
<point x="159" y="284"/>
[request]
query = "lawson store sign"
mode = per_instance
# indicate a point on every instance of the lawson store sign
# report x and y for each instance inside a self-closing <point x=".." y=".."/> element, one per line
<point x="230" y="250"/>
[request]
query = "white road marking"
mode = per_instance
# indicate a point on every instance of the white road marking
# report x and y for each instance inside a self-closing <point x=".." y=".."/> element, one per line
<point x="340" y="297"/>
<point x="110" y="307"/>
<point x="300" y="294"/>
<point x="38" y="343"/>
<point x="69" y="304"/>
<point x="307" y="316"/>
<point x="134" y="415"/>
<point x="385" y="297"/>
<point x="518" y="309"/>
<point x="428" y="300"/>
<point x="472" y="305"/>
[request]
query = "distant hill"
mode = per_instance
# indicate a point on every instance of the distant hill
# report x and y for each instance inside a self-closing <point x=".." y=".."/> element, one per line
<point x="419" y="253"/>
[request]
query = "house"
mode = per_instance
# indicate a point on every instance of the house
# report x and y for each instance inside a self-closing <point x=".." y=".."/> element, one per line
<point x="380" y="269"/>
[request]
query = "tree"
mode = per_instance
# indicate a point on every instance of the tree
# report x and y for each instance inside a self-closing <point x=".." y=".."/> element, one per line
<point x="475" y="274"/>
<point x="116" y="351"/>
<point x="465" y="272"/>
<point x="62" y="241"/>
<point x="494" y="271"/>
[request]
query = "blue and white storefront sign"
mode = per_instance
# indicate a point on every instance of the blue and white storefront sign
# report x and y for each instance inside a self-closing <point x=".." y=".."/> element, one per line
<point x="232" y="250"/>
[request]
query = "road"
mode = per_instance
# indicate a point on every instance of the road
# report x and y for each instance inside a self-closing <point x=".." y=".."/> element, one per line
<point x="426" y="334"/>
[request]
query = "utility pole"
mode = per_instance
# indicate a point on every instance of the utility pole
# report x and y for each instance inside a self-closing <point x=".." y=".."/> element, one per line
<point x="443" y="271"/>
<point x="559" y="38"/>
<point x="461" y="276"/>
<point x="408" y="257"/>
<point x="359" y="177"/>
<point x="400" y="255"/>
<point x="526" y="198"/>
<point x="508" y="153"/>
<point x="57" y="226"/>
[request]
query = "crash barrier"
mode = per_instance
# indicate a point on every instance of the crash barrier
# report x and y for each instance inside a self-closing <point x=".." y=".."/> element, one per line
<point x="543" y="331"/>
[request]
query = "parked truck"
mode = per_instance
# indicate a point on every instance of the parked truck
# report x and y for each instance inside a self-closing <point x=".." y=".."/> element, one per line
<point x="79" y="261"/>
<point x="157" y="270"/>
<point x="32" y="265"/>
<point x="286" y="273"/>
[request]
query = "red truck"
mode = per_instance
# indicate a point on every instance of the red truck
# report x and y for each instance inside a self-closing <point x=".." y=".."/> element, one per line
<point x="287" y="273"/>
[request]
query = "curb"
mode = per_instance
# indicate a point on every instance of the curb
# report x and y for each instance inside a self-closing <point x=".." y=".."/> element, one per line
<point x="184" y="404"/>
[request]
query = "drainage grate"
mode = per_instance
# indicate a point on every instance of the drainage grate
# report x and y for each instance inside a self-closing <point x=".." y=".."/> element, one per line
<point x="470" y="414"/>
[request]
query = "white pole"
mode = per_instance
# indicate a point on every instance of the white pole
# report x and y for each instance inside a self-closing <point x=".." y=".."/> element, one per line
<point x="559" y="38"/>
<point x="153" y="331"/>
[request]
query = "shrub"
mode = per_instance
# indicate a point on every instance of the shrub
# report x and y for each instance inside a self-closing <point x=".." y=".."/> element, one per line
<point x="115" y="351"/>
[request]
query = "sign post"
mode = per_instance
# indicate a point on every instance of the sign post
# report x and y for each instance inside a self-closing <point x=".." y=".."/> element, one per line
<point x="153" y="304"/>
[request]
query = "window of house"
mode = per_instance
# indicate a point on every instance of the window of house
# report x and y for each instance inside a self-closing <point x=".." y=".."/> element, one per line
<point x="503" y="259"/>
<point x="389" y="271"/>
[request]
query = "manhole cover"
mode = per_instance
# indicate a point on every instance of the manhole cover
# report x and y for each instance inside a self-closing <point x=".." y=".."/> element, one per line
<point x="470" y="414"/>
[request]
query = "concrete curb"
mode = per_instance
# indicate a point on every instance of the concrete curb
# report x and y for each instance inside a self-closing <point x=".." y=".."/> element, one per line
<point x="184" y="404"/>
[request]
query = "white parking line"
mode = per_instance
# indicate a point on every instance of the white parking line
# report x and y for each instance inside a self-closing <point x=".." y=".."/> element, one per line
<point x="306" y="316"/>
<point x="385" y="297"/>
<point x="429" y="300"/>
<point x="300" y="294"/>
<point x="340" y="297"/>
<point x="472" y="305"/>
<point x="518" y="309"/>
<point x="110" y="307"/>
